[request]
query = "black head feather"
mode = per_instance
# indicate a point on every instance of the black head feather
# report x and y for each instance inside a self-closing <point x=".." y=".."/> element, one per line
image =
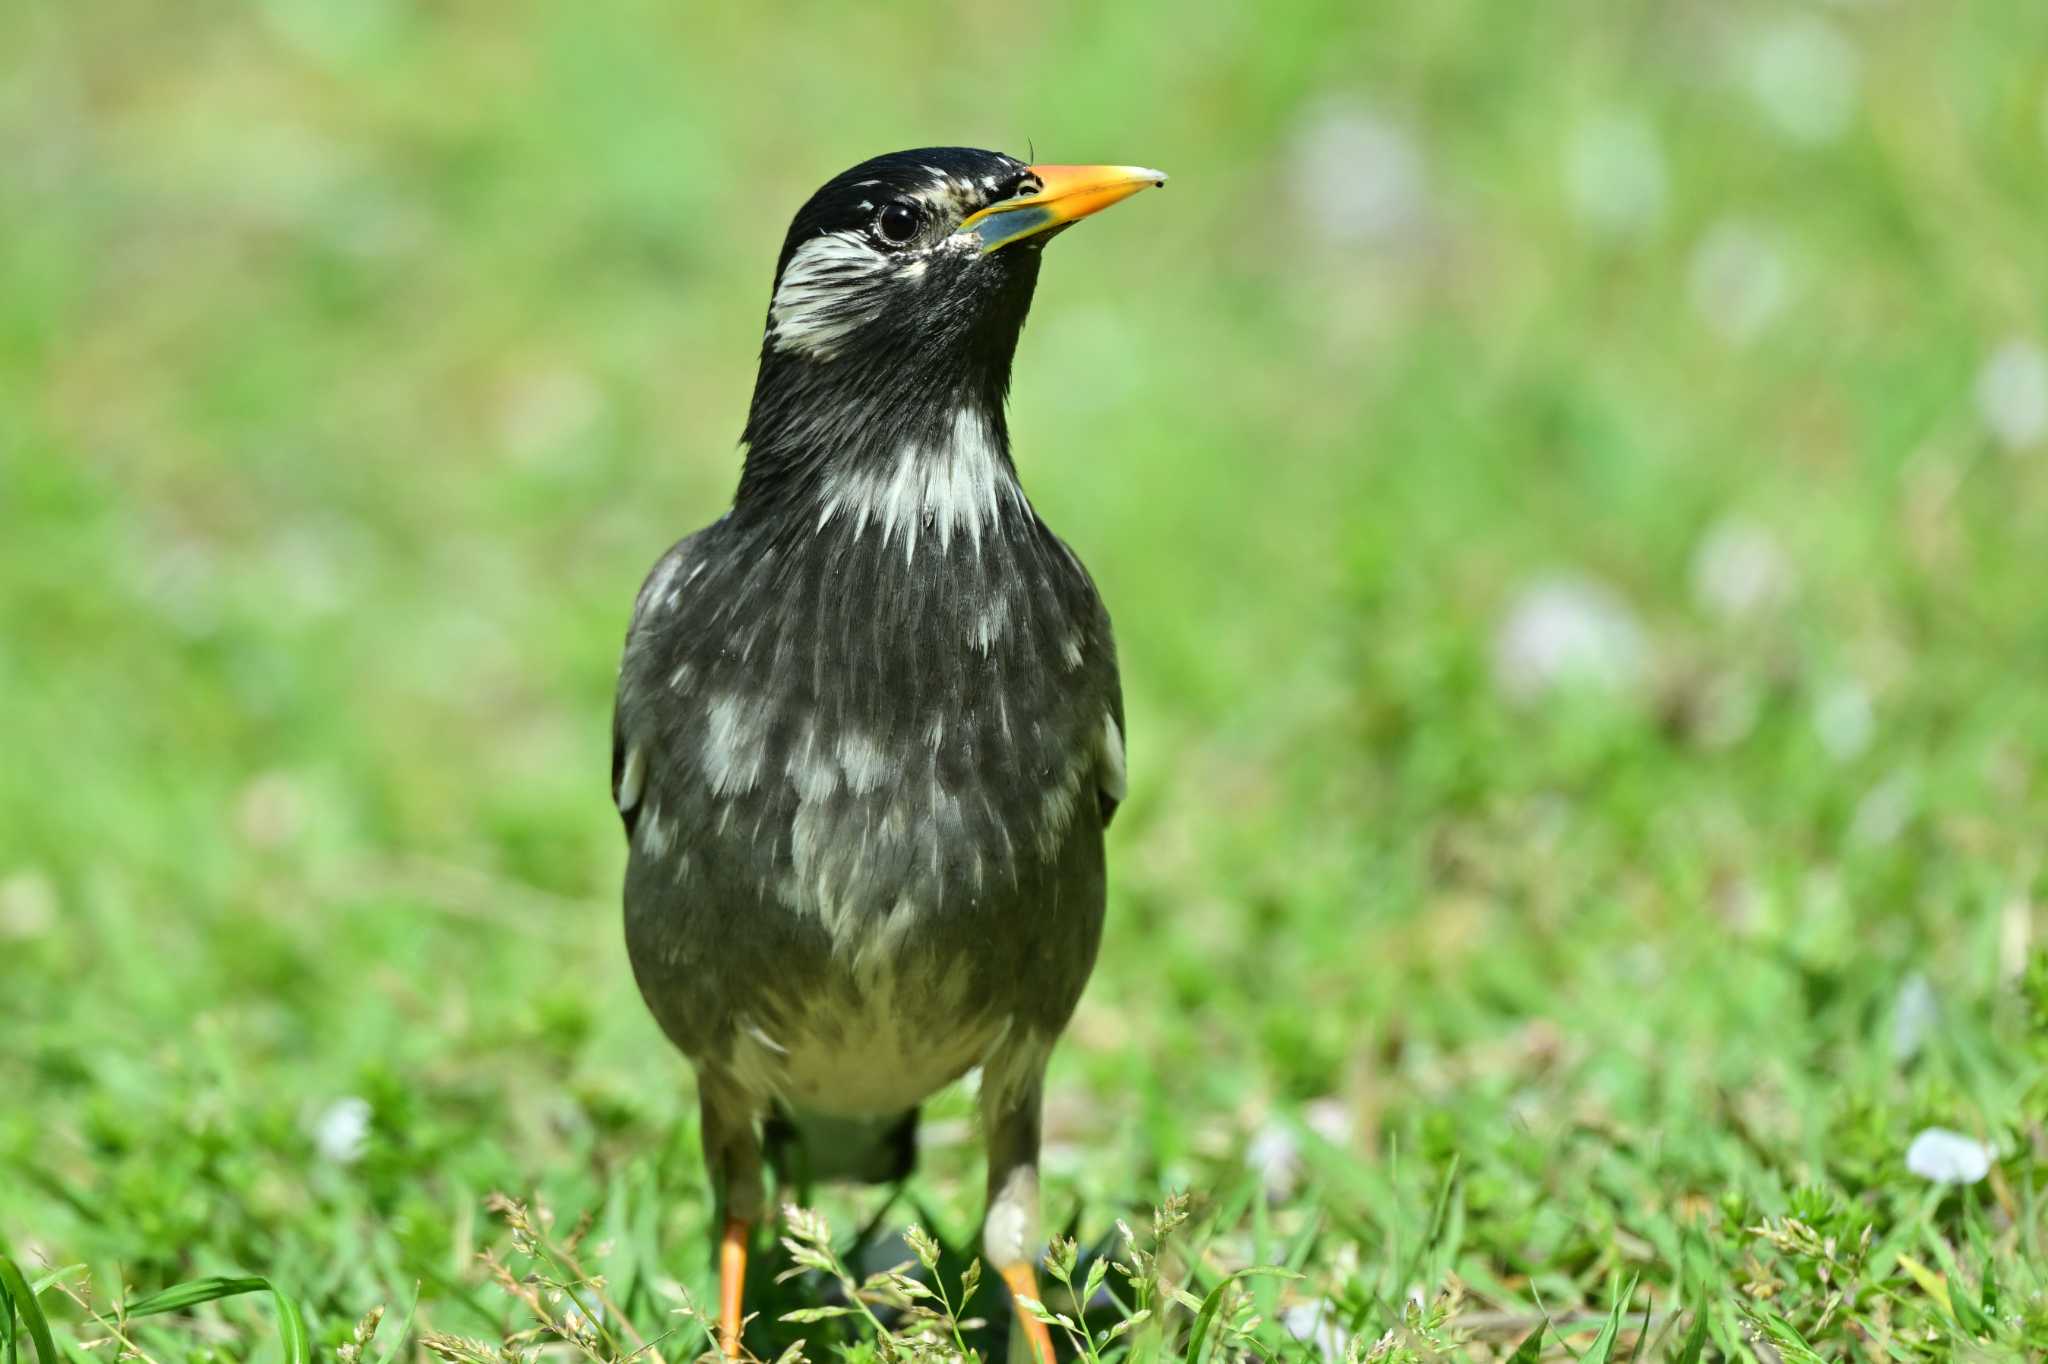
<point x="854" y="199"/>
<point x="884" y="322"/>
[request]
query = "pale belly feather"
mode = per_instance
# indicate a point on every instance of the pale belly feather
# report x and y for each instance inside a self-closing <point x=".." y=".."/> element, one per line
<point x="855" y="1050"/>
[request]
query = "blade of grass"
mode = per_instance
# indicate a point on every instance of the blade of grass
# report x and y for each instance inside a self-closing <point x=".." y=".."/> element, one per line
<point x="15" y="1297"/>
<point x="1955" y="1285"/>
<point x="291" y="1323"/>
<point x="1213" y="1303"/>
<point x="404" y="1328"/>
<point x="1531" y="1348"/>
<point x="1418" y="1267"/>
<point x="1786" y="1337"/>
<point x="1643" y="1331"/>
<point x="1695" y="1339"/>
<point x="44" y="1281"/>
<point x="1930" y="1282"/>
<point x="1602" y="1349"/>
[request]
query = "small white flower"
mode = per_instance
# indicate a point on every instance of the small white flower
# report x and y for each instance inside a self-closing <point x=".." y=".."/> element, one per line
<point x="2012" y="394"/>
<point x="342" y="1130"/>
<point x="1845" y="720"/>
<point x="29" y="905"/>
<point x="1357" y="176"/>
<point x="1947" y="1157"/>
<point x="1737" y="280"/>
<point x="1802" y="73"/>
<point x="1330" y="1119"/>
<point x="1914" y="1015"/>
<point x="1275" y="1149"/>
<point x="1739" y="570"/>
<point x="1882" y="813"/>
<point x="1276" y="1154"/>
<point x="1614" y="172"/>
<point x="1566" y="631"/>
<point x="1316" y="1325"/>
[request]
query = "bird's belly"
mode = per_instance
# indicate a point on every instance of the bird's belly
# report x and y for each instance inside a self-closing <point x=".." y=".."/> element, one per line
<point x="867" y="1045"/>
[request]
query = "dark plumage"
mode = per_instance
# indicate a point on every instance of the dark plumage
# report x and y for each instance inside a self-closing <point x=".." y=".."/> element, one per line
<point x="869" y="731"/>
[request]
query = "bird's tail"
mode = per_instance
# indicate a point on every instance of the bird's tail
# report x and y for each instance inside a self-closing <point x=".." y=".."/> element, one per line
<point x="805" y="1148"/>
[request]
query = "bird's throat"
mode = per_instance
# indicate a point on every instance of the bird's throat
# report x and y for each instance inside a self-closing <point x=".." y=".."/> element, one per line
<point x="931" y="491"/>
<point x="919" y="469"/>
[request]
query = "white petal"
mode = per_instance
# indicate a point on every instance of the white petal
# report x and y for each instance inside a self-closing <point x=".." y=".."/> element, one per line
<point x="1845" y="720"/>
<point x="1564" y="632"/>
<point x="1738" y="279"/>
<point x="342" y="1130"/>
<point x="1947" y="1157"/>
<point x="1802" y="73"/>
<point x="1740" y="570"/>
<point x="1614" y="172"/>
<point x="1276" y="1154"/>
<point x="1914" y="1015"/>
<point x="2012" y="394"/>
<point x="1358" y="177"/>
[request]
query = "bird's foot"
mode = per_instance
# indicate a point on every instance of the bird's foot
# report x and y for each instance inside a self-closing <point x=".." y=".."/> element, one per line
<point x="732" y="1279"/>
<point x="1023" y="1282"/>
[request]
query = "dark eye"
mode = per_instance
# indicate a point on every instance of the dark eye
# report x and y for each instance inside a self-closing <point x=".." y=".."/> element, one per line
<point x="896" y="224"/>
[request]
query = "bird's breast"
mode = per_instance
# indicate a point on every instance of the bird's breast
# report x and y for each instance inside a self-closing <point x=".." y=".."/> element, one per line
<point x="870" y="780"/>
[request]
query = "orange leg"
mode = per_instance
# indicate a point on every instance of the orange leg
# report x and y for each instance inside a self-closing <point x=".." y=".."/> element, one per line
<point x="732" y="1279"/>
<point x="1024" y="1284"/>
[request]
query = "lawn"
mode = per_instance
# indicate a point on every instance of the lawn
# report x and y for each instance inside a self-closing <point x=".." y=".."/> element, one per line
<point x="1571" y="482"/>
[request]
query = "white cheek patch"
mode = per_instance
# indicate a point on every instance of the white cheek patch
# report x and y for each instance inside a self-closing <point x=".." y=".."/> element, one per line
<point x="827" y="293"/>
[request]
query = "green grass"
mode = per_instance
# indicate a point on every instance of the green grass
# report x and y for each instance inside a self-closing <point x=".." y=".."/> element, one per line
<point x="356" y="360"/>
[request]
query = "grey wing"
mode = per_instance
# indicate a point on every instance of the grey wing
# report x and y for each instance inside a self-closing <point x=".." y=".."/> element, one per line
<point x="1102" y="682"/>
<point x="629" y="774"/>
<point x="1110" y="781"/>
<point x="1110" y="768"/>
<point x="663" y="944"/>
<point x="629" y="752"/>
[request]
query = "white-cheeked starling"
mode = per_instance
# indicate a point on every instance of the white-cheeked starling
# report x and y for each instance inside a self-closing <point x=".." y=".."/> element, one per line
<point x="869" y="729"/>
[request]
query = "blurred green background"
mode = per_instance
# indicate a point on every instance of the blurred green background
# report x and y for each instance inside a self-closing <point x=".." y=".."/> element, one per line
<point x="1571" y="482"/>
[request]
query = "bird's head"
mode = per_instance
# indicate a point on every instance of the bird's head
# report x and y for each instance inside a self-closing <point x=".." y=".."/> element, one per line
<point x="903" y="285"/>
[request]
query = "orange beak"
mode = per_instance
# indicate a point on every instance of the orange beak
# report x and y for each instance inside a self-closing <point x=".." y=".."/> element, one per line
<point x="1063" y="195"/>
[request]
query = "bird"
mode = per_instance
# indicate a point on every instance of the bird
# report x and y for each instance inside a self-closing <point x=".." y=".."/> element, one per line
<point x="869" y="729"/>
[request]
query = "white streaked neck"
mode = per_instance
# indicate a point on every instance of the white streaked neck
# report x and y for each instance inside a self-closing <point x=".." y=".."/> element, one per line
<point x="929" y="493"/>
